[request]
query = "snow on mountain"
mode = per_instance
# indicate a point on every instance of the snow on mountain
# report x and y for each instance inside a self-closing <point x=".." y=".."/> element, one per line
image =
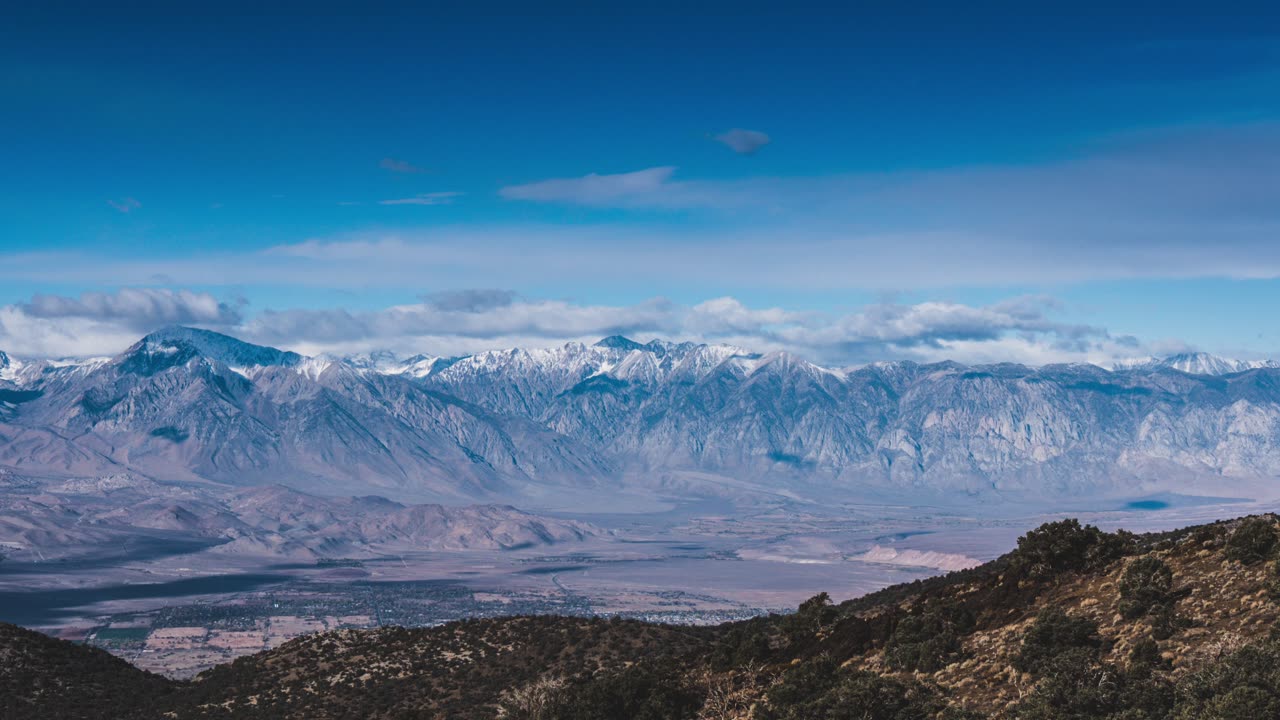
<point x="181" y="343"/>
<point x="193" y="405"/>
<point x="174" y="407"/>
<point x="1196" y="363"/>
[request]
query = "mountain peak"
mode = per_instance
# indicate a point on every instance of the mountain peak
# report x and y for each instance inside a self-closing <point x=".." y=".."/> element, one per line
<point x="1196" y="363"/>
<point x="186" y="342"/>
<point x="619" y="342"/>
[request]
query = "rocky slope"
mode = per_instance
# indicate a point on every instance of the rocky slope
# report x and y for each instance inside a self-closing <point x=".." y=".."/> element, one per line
<point x="1073" y="623"/>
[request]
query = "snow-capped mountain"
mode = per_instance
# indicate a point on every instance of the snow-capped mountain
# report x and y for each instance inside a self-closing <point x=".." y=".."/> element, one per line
<point x="1196" y="363"/>
<point x="192" y="405"/>
<point x="173" y="406"/>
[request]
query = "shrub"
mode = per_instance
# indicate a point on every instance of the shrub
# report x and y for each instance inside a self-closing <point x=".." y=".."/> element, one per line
<point x="812" y="615"/>
<point x="1053" y="632"/>
<point x="930" y="640"/>
<point x="1245" y="684"/>
<point x="819" y="690"/>
<point x="1076" y="686"/>
<point x="1147" y="584"/>
<point x="1273" y="582"/>
<point x="1065" y="545"/>
<point x="741" y="646"/>
<point x="1252" y="542"/>
<point x="1146" y="653"/>
<point x="640" y="692"/>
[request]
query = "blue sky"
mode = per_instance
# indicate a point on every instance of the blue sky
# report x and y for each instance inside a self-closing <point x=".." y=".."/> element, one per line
<point x="853" y="183"/>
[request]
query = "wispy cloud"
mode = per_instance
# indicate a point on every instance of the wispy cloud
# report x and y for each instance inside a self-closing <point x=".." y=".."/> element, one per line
<point x="399" y="166"/>
<point x="743" y="142"/>
<point x="125" y="205"/>
<point x="594" y="189"/>
<point x="433" y="198"/>
<point x="470" y="300"/>
<point x="1190" y="204"/>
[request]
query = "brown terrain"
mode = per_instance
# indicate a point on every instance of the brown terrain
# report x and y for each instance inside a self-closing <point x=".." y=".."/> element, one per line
<point x="1073" y="623"/>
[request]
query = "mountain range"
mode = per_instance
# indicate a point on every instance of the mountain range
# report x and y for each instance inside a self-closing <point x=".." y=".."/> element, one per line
<point x="195" y="406"/>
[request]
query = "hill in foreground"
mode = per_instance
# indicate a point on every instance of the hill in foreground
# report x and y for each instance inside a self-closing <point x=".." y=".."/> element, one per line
<point x="1073" y="623"/>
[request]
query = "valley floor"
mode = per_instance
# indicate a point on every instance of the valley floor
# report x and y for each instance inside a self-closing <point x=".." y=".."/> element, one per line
<point x="179" y="610"/>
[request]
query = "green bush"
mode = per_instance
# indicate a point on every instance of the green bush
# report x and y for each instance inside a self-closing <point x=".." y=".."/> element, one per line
<point x="930" y="640"/>
<point x="1076" y="686"/>
<point x="1245" y="684"/>
<point x="1145" y="658"/>
<point x="1065" y="545"/>
<point x="641" y="692"/>
<point x="1147" y="585"/>
<point x="812" y="615"/>
<point x="1273" y="582"/>
<point x="819" y="689"/>
<point x="1053" y="632"/>
<point x="1254" y="541"/>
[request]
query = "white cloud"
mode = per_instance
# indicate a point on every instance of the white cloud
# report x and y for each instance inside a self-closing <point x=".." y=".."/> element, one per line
<point x="466" y="321"/>
<point x="594" y="189"/>
<point x="99" y="323"/>
<point x="433" y="198"/>
<point x="135" y="307"/>
<point x="743" y="142"/>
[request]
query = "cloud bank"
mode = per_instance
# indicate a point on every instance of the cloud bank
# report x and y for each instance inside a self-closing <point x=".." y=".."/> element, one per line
<point x="1020" y="329"/>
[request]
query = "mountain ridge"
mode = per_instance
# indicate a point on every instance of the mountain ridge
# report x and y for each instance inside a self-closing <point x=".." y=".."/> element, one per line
<point x="184" y="404"/>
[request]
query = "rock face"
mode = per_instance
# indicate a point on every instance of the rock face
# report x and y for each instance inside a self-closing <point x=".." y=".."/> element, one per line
<point x="185" y="404"/>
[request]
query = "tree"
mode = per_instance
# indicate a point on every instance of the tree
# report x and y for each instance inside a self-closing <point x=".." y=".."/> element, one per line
<point x="1147" y="584"/>
<point x="1065" y="545"/>
<point x="930" y="640"/>
<point x="1245" y="684"/>
<point x="819" y="689"/>
<point x="1254" y="541"/>
<point x="1052" y="633"/>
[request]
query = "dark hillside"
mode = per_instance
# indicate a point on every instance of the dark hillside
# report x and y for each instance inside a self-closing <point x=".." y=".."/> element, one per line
<point x="41" y="677"/>
<point x="1073" y="623"/>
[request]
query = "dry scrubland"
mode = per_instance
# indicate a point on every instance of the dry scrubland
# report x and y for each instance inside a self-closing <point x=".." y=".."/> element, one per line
<point x="1074" y="623"/>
